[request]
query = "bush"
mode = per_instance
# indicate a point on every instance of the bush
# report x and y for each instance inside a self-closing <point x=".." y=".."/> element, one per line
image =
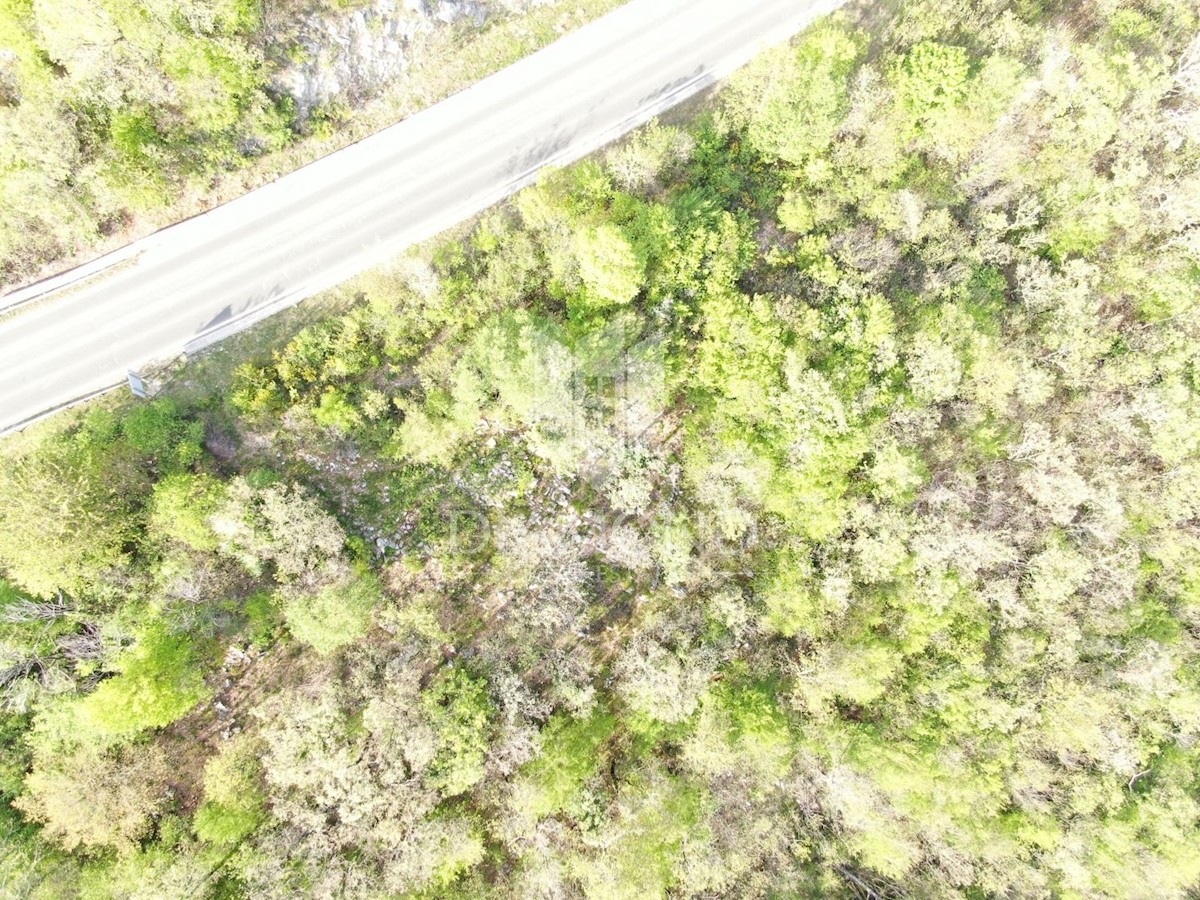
<point x="657" y="816"/>
<point x="932" y="76"/>
<point x="459" y="709"/>
<point x="264" y="618"/>
<point x="333" y="616"/>
<point x="158" y="430"/>
<point x="159" y="681"/>
<point x="255" y="391"/>
<point x="233" y="802"/>
<point x="570" y="756"/>
<point x="181" y="507"/>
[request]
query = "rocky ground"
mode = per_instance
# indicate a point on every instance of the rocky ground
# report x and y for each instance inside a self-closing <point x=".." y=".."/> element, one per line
<point x="346" y="52"/>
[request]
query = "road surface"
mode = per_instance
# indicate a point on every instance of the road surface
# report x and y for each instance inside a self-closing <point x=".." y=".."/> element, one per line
<point x="194" y="283"/>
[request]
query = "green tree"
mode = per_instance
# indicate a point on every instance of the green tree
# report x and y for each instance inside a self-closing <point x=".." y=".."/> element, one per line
<point x="159" y="679"/>
<point x="459" y="711"/>
<point x="611" y="268"/>
<point x="791" y="100"/>
<point x="98" y="799"/>
<point x="183" y="505"/>
<point x="79" y="494"/>
<point x="233" y="804"/>
<point x="931" y="76"/>
<point x="333" y="615"/>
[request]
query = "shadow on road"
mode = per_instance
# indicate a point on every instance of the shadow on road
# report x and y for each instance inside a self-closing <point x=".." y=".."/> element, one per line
<point x="699" y="75"/>
<point x="230" y="321"/>
<point x="543" y="151"/>
<point x="535" y="155"/>
<point x="219" y="319"/>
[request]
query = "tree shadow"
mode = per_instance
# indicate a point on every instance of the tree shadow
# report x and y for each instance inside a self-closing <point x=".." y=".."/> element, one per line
<point x="698" y="76"/>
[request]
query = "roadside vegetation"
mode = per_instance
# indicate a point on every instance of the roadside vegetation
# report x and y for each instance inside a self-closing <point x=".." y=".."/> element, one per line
<point x="117" y="117"/>
<point x="804" y="502"/>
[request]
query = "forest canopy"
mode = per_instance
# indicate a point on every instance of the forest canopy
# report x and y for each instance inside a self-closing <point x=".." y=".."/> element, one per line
<point x="800" y="502"/>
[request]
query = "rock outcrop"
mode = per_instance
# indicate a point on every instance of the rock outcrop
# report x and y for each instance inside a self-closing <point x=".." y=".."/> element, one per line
<point x="349" y="56"/>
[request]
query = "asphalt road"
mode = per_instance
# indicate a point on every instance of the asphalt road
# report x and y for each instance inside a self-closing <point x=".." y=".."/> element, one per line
<point x="194" y="283"/>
